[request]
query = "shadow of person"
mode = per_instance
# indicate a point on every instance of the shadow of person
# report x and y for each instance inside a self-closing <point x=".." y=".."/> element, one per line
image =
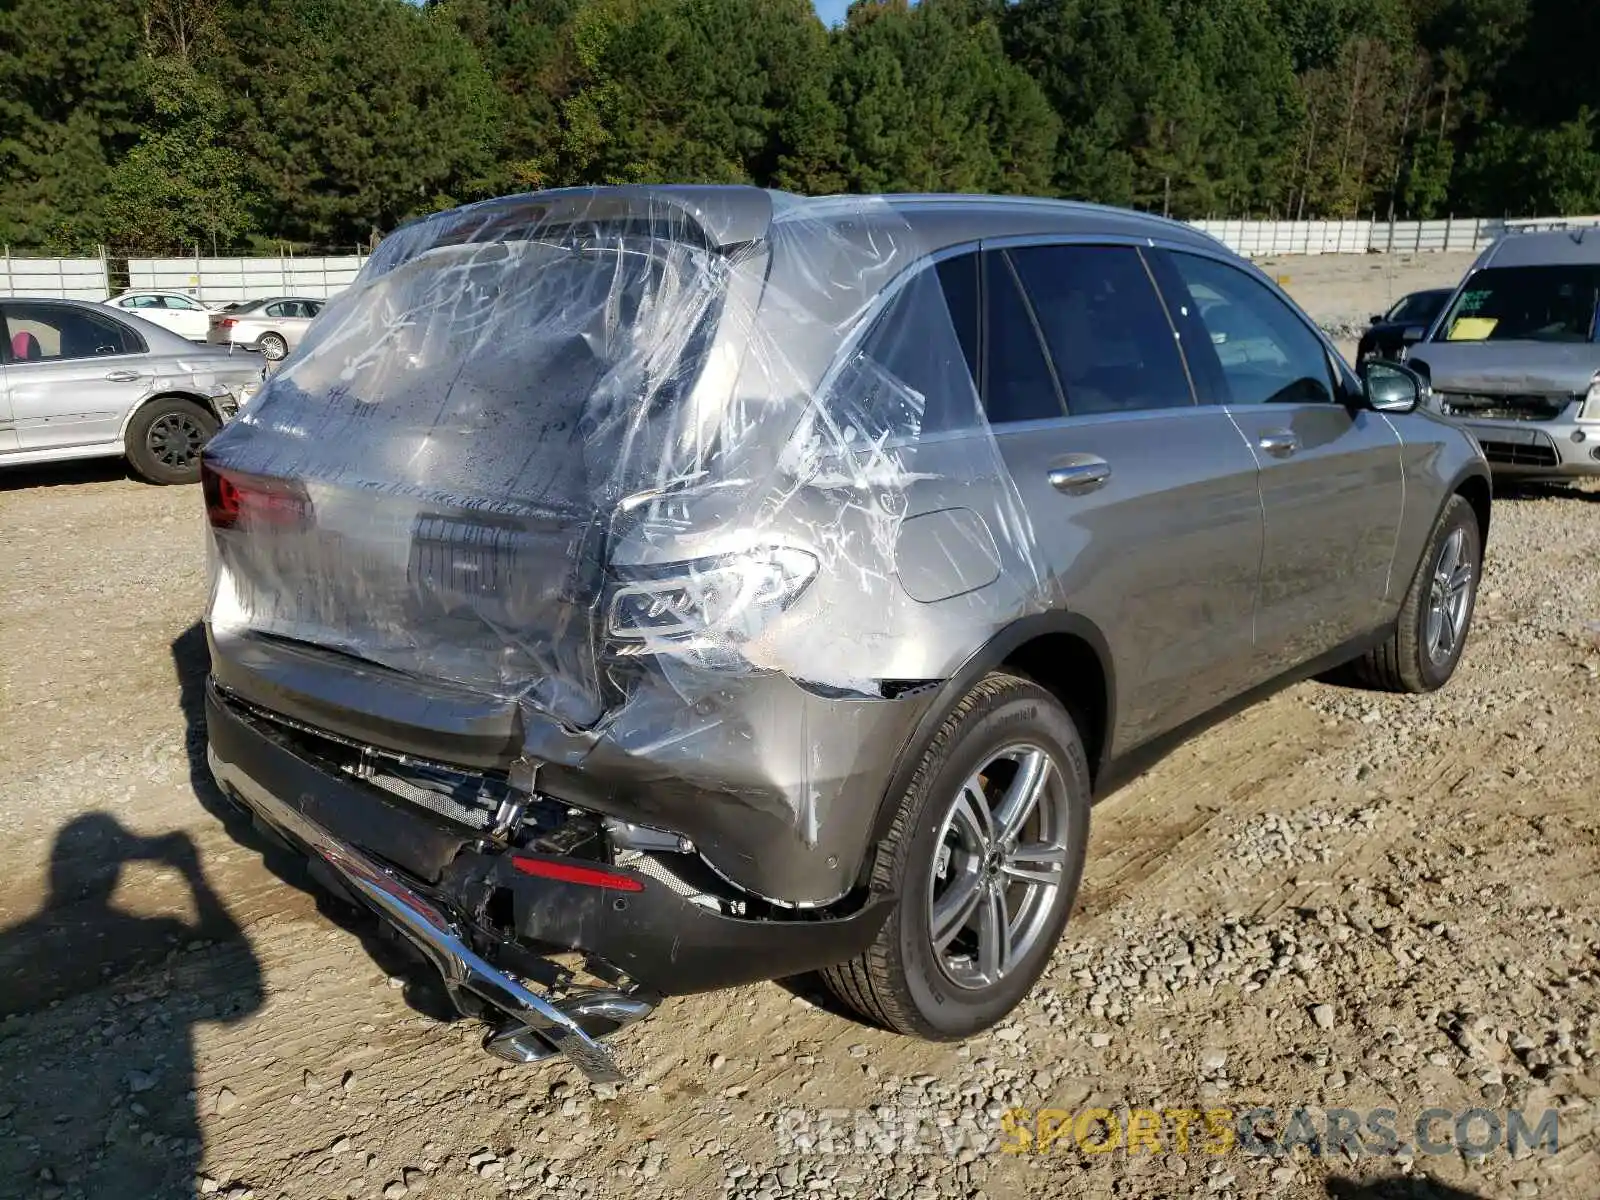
<point x="423" y="989"/>
<point x="101" y="1093"/>
<point x="1398" y="1187"/>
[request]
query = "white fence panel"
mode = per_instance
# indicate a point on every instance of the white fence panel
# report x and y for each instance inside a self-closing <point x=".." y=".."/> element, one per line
<point x="63" y="278"/>
<point x="1257" y="239"/>
<point x="228" y="279"/>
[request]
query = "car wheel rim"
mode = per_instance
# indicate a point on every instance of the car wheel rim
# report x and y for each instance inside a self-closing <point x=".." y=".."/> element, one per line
<point x="175" y="440"/>
<point x="273" y="348"/>
<point x="998" y="866"/>
<point x="1449" y="597"/>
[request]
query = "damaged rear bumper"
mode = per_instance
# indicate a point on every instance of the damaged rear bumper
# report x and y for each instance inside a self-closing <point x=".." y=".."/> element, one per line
<point x="478" y="914"/>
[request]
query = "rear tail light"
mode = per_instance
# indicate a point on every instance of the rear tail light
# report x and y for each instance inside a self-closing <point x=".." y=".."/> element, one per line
<point x="234" y="499"/>
<point x="228" y="322"/>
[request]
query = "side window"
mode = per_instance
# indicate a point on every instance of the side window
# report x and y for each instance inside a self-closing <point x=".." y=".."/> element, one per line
<point x="277" y="310"/>
<point x="1017" y="383"/>
<point x="182" y="303"/>
<point x="48" y="332"/>
<point x="1114" y="349"/>
<point x="917" y="360"/>
<point x="1256" y="348"/>
<point x="140" y="302"/>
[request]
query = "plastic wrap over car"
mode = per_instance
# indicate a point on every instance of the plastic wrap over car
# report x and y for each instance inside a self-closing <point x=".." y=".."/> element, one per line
<point x="628" y="459"/>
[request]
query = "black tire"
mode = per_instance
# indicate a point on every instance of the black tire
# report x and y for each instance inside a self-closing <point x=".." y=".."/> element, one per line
<point x="165" y="438"/>
<point x="1404" y="662"/>
<point x="272" y="346"/>
<point x="900" y="982"/>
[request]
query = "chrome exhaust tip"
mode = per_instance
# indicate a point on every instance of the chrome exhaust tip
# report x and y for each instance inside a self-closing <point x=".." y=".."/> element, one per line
<point x="598" y="1013"/>
<point x="530" y="1019"/>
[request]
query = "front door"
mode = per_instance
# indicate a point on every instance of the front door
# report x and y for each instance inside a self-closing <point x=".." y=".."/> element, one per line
<point x="73" y="374"/>
<point x="1332" y="486"/>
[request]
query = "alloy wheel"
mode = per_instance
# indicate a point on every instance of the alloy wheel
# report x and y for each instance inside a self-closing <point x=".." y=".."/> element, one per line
<point x="1449" y="597"/>
<point x="999" y="865"/>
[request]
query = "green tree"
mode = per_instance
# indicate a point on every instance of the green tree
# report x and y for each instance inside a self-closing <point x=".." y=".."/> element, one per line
<point x="70" y="95"/>
<point x="354" y="114"/>
<point x="931" y="103"/>
<point x="182" y="184"/>
<point x="525" y="45"/>
<point x="712" y="91"/>
<point x="1533" y="172"/>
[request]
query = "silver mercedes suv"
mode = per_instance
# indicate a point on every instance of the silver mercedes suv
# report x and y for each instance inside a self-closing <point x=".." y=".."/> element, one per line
<point x="724" y="585"/>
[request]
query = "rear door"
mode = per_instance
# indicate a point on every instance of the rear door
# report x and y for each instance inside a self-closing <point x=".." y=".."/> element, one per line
<point x="185" y="317"/>
<point x="74" y="373"/>
<point x="1144" y="505"/>
<point x="151" y="306"/>
<point x="1332" y="485"/>
<point x="8" y="425"/>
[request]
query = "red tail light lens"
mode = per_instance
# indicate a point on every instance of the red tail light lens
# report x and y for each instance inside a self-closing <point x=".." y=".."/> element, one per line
<point x="566" y="871"/>
<point x="234" y="498"/>
<point x="228" y="322"/>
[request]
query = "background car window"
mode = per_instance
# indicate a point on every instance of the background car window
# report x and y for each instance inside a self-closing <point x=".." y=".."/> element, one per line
<point x="141" y="302"/>
<point x="44" y="332"/>
<point x="183" y="303"/>
<point x="1114" y="349"/>
<point x="1018" y="385"/>
<point x="1417" y="308"/>
<point x="1536" y="304"/>
<point x="277" y="310"/>
<point x="917" y="361"/>
<point x="1259" y="350"/>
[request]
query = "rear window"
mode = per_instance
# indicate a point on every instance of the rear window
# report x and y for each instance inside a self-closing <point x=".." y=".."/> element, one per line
<point x="1534" y="304"/>
<point x="478" y="359"/>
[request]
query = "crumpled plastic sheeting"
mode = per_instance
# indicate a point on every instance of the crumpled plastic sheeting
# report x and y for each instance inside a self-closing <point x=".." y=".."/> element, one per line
<point x="513" y="416"/>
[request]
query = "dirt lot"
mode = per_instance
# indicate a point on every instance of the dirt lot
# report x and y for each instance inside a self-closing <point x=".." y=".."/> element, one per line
<point x="1334" y="901"/>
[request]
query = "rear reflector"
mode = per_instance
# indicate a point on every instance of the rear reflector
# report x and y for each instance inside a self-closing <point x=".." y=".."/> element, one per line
<point x="234" y="499"/>
<point x="569" y="872"/>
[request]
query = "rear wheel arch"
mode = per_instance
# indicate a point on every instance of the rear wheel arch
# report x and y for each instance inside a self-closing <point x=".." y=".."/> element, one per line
<point x="204" y="402"/>
<point x="1063" y="652"/>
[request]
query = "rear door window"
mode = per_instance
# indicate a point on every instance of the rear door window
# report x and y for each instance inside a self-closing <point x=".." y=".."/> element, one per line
<point x="1018" y="384"/>
<point x="1533" y="304"/>
<point x="1113" y="348"/>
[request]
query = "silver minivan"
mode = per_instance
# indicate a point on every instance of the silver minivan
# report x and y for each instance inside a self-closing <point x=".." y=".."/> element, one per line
<point x="1515" y="355"/>
<point x="723" y="585"/>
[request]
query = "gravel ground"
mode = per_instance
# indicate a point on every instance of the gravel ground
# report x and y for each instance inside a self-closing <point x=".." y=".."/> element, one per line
<point x="1334" y="901"/>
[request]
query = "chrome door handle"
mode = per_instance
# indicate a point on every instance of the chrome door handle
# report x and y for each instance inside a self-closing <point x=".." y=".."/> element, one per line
<point x="1079" y="473"/>
<point x="123" y="376"/>
<point x="1279" y="442"/>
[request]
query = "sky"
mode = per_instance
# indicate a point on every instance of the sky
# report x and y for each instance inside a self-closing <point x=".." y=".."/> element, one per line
<point x="831" y="11"/>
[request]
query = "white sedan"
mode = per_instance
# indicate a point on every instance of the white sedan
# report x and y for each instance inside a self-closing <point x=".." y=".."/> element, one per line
<point x="181" y="313"/>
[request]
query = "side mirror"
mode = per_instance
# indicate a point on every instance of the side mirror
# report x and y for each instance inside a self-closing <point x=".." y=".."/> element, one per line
<point x="1391" y="388"/>
<point x="1375" y="319"/>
